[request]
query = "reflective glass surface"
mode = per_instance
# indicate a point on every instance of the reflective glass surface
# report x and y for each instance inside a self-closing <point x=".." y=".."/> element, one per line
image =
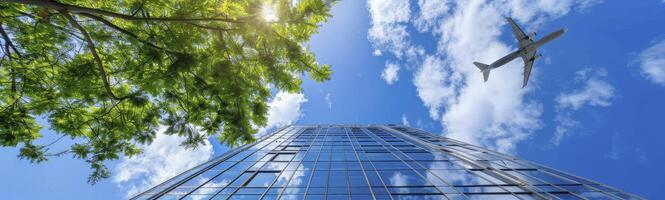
<point x="372" y="162"/>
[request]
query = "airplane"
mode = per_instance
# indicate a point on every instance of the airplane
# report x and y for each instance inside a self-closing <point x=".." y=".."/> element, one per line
<point x="527" y="50"/>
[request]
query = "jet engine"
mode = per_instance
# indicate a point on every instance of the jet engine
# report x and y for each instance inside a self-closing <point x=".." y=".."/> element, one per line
<point x="536" y="57"/>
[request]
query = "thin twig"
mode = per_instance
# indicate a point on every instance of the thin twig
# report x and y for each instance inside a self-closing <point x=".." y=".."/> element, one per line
<point x="79" y="9"/>
<point x="93" y="50"/>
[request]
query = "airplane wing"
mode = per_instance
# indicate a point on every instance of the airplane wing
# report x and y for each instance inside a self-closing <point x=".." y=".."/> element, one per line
<point x="528" y="64"/>
<point x="527" y="72"/>
<point x="519" y="34"/>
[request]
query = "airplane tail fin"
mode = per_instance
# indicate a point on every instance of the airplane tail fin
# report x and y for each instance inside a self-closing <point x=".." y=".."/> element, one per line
<point x="483" y="69"/>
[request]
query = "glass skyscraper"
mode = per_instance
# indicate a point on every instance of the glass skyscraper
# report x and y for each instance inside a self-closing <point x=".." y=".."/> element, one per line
<point x="372" y="162"/>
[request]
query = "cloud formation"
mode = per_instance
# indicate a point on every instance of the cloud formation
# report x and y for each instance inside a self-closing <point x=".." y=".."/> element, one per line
<point x="595" y="92"/>
<point x="328" y="101"/>
<point x="284" y="109"/>
<point x="405" y="121"/>
<point x="652" y="63"/>
<point x="496" y="114"/>
<point x="162" y="159"/>
<point x="388" y="31"/>
<point x="389" y="74"/>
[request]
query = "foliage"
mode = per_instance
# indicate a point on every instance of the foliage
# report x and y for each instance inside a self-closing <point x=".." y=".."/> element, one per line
<point x="107" y="73"/>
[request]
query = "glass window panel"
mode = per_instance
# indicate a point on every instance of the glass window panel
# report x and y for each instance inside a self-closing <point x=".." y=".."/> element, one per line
<point x="246" y="190"/>
<point x="283" y="179"/>
<point x="228" y="190"/>
<point x="368" y="166"/>
<point x="292" y="197"/>
<point x="322" y="166"/>
<point x="244" y="197"/>
<point x="268" y="157"/>
<point x="337" y="179"/>
<point x="481" y="189"/>
<point x="440" y="164"/>
<point x="315" y="197"/>
<point x="374" y="179"/>
<point x="299" y="156"/>
<point x="308" y="165"/>
<point x="298" y="190"/>
<point x="546" y="177"/>
<point x="338" y="196"/>
<point x="413" y="190"/>
<point x="380" y="190"/>
<point x="402" y="178"/>
<point x="421" y="156"/>
<point x="350" y="156"/>
<point x="419" y="197"/>
<point x="337" y="166"/>
<point x="337" y="190"/>
<point x="241" y="179"/>
<point x="484" y="174"/>
<point x="593" y="195"/>
<point x="360" y="190"/>
<point x="325" y="156"/>
<point x="492" y="196"/>
<point x="357" y="179"/>
<point x="193" y="196"/>
<point x="311" y="156"/>
<point x="362" y="196"/>
<point x="300" y="178"/>
<point x="460" y="177"/>
<point x="319" y="179"/>
<point x="284" y="157"/>
<point x="381" y="157"/>
<point x="275" y="166"/>
<point x="263" y="179"/>
<point x="257" y="166"/>
<point x="240" y="156"/>
<point x="293" y="166"/>
<point x="316" y="190"/>
<point x="353" y="165"/>
<point x="338" y="156"/>
<point x="391" y="165"/>
<point x="241" y="166"/>
<point x="222" y="166"/>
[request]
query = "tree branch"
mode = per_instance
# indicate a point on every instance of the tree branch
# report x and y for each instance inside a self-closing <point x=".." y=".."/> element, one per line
<point x="79" y="9"/>
<point x="119" y="29"/>
<point x="211" y="27"/>
<point x="93" y="50"/>
<point x="8" y="41"/>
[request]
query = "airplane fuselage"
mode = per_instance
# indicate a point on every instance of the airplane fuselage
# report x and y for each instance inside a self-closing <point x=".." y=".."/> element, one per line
<point x="525" y="50"/>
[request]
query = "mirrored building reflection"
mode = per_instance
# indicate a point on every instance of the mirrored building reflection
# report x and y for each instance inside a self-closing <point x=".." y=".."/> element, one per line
<point x="372" y="162"/>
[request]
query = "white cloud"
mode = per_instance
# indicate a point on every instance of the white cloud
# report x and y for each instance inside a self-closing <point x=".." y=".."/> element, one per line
<point x="652" y="63"/>
<point x="377" y="52"/>
<point x="405" y="121"/>
<point x="284" y="109"/>
<point x="328" y="101"/>
<point x="565" y="124"/>
<point x="162" y="159"/>
<point x="430" y="12"/>
<point x="433" y="88"/>
<point x="595" y="92"/>
<point x="390" y="74"/>
<point x="495" y="114"/>
<point x="388" y="29"/>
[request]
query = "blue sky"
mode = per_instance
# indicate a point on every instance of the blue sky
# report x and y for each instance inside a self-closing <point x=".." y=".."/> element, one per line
<point x="593" y="106"/>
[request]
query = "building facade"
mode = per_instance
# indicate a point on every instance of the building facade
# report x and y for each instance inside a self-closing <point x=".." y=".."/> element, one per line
<point x="372" y="162"/>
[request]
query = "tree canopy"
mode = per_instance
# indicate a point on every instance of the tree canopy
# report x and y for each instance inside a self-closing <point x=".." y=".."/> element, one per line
<point x="107" y="73"/>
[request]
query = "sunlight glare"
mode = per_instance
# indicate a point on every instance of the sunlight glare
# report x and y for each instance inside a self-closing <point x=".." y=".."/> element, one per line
<point x="269" y="13"/>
